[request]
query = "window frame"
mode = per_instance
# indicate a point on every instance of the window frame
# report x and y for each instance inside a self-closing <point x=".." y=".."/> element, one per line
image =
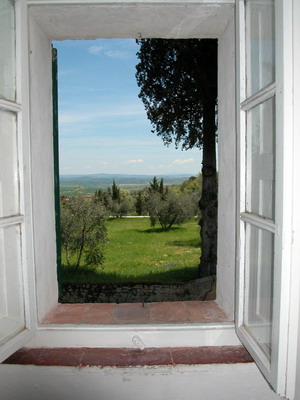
<point x="34" y="91"/>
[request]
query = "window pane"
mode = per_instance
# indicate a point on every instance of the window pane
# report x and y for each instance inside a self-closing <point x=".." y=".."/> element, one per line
<point x="260" y="39"/>
<point x="9" y="178"/>
<point x="261" y="159"/>
<point x="7" y="50"/>
<point x="259" y="284"/>
<point x="11" y="301"/>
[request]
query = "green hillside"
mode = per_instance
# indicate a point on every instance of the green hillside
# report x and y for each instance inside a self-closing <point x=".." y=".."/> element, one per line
<point x="88" y="184"/>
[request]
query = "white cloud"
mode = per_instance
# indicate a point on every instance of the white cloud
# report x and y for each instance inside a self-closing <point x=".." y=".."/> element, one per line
<point x="181" y="161"/>
<point x="103" y="163"/>
<point x="87" y="167"/>
<point x="96" y="50"/>
<point x="140" y="160"/>
<point x="120" y="54"/>
<point x="73" y="117"/>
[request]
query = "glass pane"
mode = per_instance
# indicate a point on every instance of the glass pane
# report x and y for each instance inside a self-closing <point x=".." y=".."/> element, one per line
<point x="11" y="294"/>
<point x="260" y="44"/>
<point x="259" y="284"/>
<point x="9" y="178"/>
<point x="261" y="159"/>
<point x="7" y="50"/>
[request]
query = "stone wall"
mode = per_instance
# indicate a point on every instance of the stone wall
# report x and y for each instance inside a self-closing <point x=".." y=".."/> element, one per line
<point x="135" y="293"/>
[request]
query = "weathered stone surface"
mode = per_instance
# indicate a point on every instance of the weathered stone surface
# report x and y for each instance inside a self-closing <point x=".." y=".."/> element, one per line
<point x="135" y="293"/>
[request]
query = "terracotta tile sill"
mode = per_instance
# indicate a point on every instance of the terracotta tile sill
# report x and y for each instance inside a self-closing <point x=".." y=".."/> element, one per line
<point x="113" y="357"/>
<point x="136" y="313"/>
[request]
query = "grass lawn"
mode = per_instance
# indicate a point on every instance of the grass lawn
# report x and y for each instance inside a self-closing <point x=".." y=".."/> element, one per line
<point x="138" y="253"/>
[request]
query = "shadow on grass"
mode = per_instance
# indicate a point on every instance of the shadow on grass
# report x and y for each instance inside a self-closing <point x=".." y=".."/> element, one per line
<point x="170" y="275"/>
<point x="185" y="243"/>
<point x="158" y="230"/>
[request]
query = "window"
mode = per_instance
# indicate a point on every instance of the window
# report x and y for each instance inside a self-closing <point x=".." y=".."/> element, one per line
<point x="12" y="309"/>
<point x="258" y="207"/>
<point x="262" y="297"/>
<point x="13" y="318"/>
<point x="39" y="174"/>
<point x="40" y="105"/>
<point x="264" y="216"/>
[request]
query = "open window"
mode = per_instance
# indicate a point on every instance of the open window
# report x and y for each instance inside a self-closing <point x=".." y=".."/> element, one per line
<point x="15" y="320"/>
<point x="263" y="296"/>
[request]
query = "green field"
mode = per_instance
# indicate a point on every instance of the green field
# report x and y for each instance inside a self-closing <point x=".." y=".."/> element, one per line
<point x="138" y="253"/>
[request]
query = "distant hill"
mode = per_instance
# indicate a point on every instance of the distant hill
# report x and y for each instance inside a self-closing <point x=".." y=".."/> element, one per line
<point x="88" y="184"/>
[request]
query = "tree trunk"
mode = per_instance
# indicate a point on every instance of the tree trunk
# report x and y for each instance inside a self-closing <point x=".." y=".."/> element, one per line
<point x="209" y="198"/>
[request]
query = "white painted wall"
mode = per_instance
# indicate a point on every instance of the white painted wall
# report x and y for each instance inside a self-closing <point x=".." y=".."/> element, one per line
<point x="124" y="19"/>
<point x="42" y="165"/>
<point x="227" y="171"/>
<point x="203" y="382"/>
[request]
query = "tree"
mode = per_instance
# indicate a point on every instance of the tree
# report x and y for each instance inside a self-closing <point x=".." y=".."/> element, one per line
<point x="140" y="203"/>
<point x="169" y="209"/>
<point x="103" y="198"/>
<point x="126" y="202"/>
<point x="178" y="86"/>
<point x="83" y="234"/>
<point x="158" y="187"/>
<point x="155" y="187"/>
<point x="191" y="185"/>
<point x="115" y="192"/>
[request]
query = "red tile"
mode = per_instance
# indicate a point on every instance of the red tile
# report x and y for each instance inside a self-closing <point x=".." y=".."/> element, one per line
<point x="204" y="311"/>
<point x="99" y="314"/>
<point x="102" y="356"/>
<point x="100" y="308"/>
<point x="211" y="355"/>
<point x="131" y="313"/>
<point x="125" y="357"/>
<point x="122" y="357"/>
<point x="49" y="356"/>
<point x="151" y="356"/>
<point x="64" y="317"/>
<point x="168" y="312"/>
<point x="110" y="313"/>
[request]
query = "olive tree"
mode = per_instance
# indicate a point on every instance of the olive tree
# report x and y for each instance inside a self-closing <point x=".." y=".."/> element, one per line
<point x="83" y="233"/>
<point x="169" y="209"/>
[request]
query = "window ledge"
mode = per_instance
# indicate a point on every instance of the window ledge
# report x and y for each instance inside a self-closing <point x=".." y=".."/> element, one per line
<point x="136" y="313"/>
<point x="123" y="357"/>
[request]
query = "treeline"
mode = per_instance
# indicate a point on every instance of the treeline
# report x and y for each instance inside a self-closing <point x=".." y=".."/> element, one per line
<point x="163" y="203"/>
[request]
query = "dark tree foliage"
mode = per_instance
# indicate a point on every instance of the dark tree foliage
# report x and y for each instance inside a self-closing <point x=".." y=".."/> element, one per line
<point x="178" y="86"/>
<point x="140" y="203"/>
<point x="115" y="192"/>
<point x="157" y="187"/>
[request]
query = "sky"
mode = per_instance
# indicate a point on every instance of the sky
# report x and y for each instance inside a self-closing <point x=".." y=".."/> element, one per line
<point x="103" y="126"/>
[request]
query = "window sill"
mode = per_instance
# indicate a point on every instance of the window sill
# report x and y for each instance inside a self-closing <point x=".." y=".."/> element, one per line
<point x="181" y="312"/>
<point x="153" y="325"/>
<point x="113" y="357"/>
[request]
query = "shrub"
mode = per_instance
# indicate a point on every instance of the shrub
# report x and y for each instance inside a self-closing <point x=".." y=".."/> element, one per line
<point x="169" y="209"/>
<point x="83" y="234"/>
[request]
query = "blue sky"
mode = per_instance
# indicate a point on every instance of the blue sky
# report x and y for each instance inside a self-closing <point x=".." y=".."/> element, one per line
<point x="103" y="126"/>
